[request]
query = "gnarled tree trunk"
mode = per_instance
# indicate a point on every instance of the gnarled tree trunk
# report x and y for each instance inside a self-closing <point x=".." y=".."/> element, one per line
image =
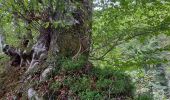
<point x="71" y="41"/>
<point x="76" y="39"/>
<point x="68" y="42"/>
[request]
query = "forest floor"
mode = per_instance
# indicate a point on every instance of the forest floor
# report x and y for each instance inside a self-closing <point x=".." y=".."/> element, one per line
<point x="71" y="81"/>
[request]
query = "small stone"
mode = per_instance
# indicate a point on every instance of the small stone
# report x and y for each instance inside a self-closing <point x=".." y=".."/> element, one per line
<point x="32" y="94"/>
<point x="46" y="73"/>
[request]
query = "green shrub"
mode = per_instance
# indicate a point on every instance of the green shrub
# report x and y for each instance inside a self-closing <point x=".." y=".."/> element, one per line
<point x="90" y="95"/>
<point x="80" y="84"/>
<point x="98" y="84"/>
<point x="103" y="84"/>
<point x="114" y="81"/>
<point x="56" y="85"/>
<point x="145" y="96"/>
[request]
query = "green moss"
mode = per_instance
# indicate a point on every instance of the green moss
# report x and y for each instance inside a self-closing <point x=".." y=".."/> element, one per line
<point x="71" y="65"/>
<point x="67" y="64"/>
<point x="3" y="58"/>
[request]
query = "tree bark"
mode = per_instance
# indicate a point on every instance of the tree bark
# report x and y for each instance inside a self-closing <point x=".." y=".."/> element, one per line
<point x="75" y="40"/>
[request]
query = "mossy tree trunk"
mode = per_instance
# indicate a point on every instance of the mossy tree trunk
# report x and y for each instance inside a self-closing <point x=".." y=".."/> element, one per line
<point x="66" y="40"/>
<point x="75" y="39"/>
<point x="72" y="36"/>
